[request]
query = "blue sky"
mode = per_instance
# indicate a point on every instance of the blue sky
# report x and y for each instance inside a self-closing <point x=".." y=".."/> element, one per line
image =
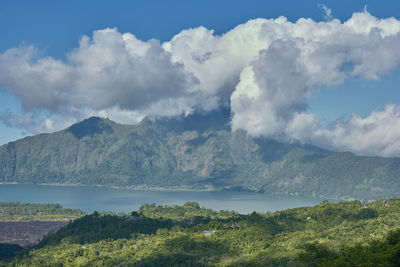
<point x="57" y="25"/>
<point x="55" y="28"/>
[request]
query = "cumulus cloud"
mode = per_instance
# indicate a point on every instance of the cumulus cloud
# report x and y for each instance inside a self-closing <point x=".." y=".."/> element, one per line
<point x="38" y="84"/>
<point x="377" y="134"/>
<point x="264" y="70"/>
<point x="271" y="96"/>
<point x="126" y="72"/>
<point x="107" y="72"/>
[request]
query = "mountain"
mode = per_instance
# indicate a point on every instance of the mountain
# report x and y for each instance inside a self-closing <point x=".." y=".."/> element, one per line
<point x="197" y="152"/>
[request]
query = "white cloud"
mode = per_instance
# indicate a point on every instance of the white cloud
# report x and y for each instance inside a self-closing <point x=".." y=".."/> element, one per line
<point x="37" y="83"/>
<point x="377" y="134"/>
<point x="327" y="12"/>
<point x="305" y="56"/>
<point x="265" y="69"/>
<point x="111" y="71"/>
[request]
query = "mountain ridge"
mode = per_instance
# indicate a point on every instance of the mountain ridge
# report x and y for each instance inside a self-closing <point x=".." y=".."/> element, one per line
<point x="196" y="152"/>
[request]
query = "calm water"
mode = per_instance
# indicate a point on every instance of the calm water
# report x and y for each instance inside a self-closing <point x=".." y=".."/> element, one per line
<point x="105" y="199"/>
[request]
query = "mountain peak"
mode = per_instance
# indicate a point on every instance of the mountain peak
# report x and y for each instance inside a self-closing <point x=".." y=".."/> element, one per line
<point x="91" y="126"/>
<point x="145" y="121"/>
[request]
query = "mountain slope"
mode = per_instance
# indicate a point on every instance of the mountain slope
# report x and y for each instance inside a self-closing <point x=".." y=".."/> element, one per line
<point x="196" y="152"/>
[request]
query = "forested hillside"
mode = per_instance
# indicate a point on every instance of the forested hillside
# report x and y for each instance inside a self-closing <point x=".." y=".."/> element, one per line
<point x="329" y="234"/>
<point x="197" y="152"/>
<point x="17" y="211"/>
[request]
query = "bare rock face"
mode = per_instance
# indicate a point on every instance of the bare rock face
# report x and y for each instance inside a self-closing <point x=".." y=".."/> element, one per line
<point x="198" y="152"/>
<point x="27" y="233"/>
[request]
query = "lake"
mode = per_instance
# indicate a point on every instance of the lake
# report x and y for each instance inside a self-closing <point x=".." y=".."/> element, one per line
<point x="90" y="199"/>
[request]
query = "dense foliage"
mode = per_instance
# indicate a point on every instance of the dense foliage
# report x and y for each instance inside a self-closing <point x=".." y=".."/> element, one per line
<point x="384" y="252"/>
<point x="16" y="211"/>
<point x="329" y="234"/>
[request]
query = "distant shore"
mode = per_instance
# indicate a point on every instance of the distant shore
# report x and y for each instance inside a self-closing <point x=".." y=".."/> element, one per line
<point x="131" y="187"/>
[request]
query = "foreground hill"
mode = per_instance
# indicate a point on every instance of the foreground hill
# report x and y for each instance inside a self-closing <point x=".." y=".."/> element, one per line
<point x="198" y="152"/>
<point x="337" y="234"/>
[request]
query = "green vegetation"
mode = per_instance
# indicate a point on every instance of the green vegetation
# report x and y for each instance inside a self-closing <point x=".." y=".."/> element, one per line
<point x="18" y="212"/>
<point x="384" y="252"/>
<point x="329" y="234"/>
<point x="198" y="152"/>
